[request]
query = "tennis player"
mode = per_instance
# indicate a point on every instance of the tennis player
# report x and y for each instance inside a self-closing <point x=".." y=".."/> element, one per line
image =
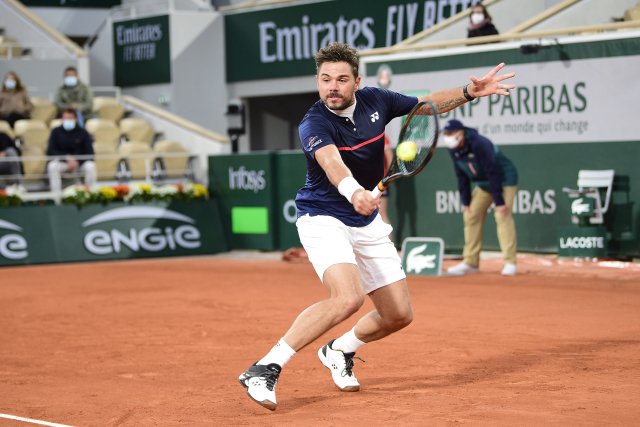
<point x="342" y="136"/>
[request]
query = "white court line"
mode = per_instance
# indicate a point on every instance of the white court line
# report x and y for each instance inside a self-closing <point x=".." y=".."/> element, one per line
<point x="29" y="420"/>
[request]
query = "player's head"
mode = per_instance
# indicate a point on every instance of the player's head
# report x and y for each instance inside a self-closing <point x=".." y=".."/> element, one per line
<point x="337" y="75"/>
<point x="453" y="134"/>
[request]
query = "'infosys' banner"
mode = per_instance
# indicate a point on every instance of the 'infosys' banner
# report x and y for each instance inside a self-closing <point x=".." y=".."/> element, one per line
<point x="32" y="235"/>
<point x="281" y="42"/>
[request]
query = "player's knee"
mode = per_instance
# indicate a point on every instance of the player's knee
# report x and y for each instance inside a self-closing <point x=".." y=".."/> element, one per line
<point x="348" y="304"/>
<point x="400" y="319"/>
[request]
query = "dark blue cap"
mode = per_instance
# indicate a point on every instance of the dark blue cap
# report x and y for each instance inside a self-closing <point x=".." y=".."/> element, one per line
<point x="453" y="125"/>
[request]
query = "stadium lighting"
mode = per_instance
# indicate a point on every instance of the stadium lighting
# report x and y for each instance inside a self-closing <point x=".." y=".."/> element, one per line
<point x="235" y="123"/>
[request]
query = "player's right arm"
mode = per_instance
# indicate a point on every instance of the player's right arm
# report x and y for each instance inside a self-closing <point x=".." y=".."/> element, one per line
<point x="328" y="157"/>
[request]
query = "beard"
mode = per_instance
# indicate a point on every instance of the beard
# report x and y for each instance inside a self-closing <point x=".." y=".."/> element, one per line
<point x="335" y="101"/>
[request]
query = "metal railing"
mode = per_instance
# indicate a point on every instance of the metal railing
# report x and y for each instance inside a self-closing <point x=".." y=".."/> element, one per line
<point x="155" y="171"/>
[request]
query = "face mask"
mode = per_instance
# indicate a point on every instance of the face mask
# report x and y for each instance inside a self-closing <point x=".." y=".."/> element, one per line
<point x="10" y="84"/>
<point x="477" y="18"/>
<point x="68" y="124"/>
<point x="451" y="141"/>
<point x="70" y="81"/>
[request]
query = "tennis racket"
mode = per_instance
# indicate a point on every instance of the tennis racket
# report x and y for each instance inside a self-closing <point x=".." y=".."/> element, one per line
<point x="418" y="135"/>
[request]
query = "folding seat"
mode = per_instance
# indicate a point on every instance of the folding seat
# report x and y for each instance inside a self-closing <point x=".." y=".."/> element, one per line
<point x="173" y="156"/>
<point x="34" y="162"/>
<point x="107" y="107"/>
<point x="106" y="159"/>
<point x="104" y="131"/>
<point x="137" y="129"/>
<point x="55" y="123"/>
<point x="43" y="109"/>
<point x="32" y="133"/>
<point x="6" y="128"/>
<point x="139" y="158"/>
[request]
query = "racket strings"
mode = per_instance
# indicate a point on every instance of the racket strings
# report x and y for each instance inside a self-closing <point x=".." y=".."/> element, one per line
<point x="421" y="131"/>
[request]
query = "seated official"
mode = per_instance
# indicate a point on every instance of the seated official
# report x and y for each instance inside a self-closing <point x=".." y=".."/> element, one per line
<point x="67" y="143"/>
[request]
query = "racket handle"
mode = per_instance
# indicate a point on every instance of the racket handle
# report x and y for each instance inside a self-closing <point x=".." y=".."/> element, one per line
<point x="379" y="189"/>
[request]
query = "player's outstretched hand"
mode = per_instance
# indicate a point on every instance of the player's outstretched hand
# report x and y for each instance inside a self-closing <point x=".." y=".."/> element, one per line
<point x="364" y="203"/>
<point x="491" y="83"/>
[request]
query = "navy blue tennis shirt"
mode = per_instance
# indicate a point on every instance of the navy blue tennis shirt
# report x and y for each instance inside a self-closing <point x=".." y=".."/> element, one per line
<point x="361" y="146"/>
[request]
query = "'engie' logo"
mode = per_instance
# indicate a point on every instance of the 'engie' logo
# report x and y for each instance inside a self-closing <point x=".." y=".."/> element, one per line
<point x="150" y="239"/>
<point x="12" y="246"/>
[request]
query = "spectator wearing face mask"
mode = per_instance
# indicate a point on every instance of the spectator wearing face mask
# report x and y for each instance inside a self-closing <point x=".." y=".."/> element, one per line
<point x="68" y="143"/>
<point x="74" y="94"/>
<point x="480" y="22"/>
<point x="14" y="100"/>
<point x="477" y="161"/>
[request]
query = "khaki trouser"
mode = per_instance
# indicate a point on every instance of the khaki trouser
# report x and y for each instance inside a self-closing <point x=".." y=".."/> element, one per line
<point x="474" y="222"/>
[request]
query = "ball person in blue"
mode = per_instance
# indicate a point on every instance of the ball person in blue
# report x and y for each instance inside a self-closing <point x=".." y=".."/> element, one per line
<point x="347" y="242"/>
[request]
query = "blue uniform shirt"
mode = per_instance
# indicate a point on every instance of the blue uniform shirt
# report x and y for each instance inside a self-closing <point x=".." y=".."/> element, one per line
<point x="481" y="162"/>
<point x="361" y="146"/>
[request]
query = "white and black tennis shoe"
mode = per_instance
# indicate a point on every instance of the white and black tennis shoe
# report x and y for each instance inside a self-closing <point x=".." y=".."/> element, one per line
<point x="260" y="382"/>
<point x="341" y="366"/>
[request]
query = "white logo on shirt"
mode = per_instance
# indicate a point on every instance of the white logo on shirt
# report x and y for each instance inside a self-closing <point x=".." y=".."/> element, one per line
<point x="313" y="141"/>
<point x="375" y="116"/>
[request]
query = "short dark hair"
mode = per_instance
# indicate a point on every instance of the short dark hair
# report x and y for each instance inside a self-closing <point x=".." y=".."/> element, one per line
<point x="338" y="52"/>
<point x="70" y="111"/>
<point x="71" y="68"/>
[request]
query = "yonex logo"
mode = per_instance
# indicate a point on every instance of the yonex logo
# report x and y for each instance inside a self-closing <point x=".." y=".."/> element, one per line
<point x="151" y="239"/>
<point x="12" y="246"/>
<point x="313" y="141"/>
<point x="375" y="116"/>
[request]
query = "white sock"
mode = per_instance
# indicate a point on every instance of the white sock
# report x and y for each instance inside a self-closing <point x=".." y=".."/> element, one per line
<point x="348" y="343"/>
<point x="281" y="353"/>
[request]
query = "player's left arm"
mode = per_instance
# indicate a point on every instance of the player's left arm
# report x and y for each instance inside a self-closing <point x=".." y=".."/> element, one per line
<point x="489" y="84"/>
<point x="328" y="157"/>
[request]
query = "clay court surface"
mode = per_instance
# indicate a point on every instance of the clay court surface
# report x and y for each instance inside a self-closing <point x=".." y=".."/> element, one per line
<point x="161" y="343"/>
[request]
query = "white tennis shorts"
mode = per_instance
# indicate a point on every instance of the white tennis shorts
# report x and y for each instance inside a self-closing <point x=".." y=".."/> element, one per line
<point x="328" y="241"/>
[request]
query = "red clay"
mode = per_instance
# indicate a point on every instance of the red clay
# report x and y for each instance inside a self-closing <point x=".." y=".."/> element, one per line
<point x="161" y="342"/>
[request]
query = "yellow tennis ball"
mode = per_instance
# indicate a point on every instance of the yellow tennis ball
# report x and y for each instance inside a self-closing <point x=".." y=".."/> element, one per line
<point x="407" y="150"/>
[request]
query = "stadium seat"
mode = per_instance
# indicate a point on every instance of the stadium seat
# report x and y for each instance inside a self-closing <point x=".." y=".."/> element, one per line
<point x="139" y="158"/>
<point x="594" y="184"/>
<point x="55" y="123"/>
<point x="174" y="158"/>
<point x="106" y="160"/>
<point x="34" y="168"/>
<point x="137" y="129"/>
<point x="9" y="48"/>
<point x="106" y="107"/>
<point x="32" y="133"/>
<point x="6" y="128"/>
<point x="104" y="131"/>
<point x="43" y="109"/>
<point x="633" y="13"/>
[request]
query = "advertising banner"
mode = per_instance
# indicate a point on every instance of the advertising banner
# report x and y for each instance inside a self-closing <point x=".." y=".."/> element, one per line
<point x="96" y="4"/>
<point x="422" y="256"/>
<point x="245" y="185"/>
<point x="281" y="41"/>
<point x="33" y="235"/>
<point x="141" y="51"/>
<point x="560" y="95"/>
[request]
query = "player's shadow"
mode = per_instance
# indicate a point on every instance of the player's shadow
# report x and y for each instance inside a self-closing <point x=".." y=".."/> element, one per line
<point x="578" y="354"/>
